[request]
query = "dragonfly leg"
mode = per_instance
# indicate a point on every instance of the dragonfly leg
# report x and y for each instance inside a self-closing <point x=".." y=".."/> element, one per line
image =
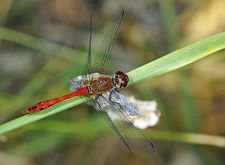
<point x="96" y="99"/>
<point x="111" y="100"/>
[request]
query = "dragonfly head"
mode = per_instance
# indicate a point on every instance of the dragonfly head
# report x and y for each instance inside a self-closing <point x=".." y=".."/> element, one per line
<point x="120" y="79"/>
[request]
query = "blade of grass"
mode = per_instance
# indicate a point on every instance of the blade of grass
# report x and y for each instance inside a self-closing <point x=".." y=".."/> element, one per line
<point x="179" y="58"/>
<point x="16" y="123"/>
<point x="193" y="138"/>
<point x="38" y="44"/>
<point x="158" y="67"/>
<point x="97" y="126"/>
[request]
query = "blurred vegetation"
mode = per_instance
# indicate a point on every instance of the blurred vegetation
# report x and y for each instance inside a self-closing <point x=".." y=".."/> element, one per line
<point x="44" y="45"/>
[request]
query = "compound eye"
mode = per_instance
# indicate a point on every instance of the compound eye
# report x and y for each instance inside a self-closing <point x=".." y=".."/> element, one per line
<point x="125" y="81"/>
<point x="121" y="79"/>
<point x="119" y="73"/>
<point x="126" y="78"/>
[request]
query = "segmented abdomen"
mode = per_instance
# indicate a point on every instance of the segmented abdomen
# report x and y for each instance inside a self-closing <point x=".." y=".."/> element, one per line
<point x="44" y="104"/>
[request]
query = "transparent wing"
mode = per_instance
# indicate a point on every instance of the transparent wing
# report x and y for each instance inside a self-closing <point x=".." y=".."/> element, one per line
<point x="106" y="54"/>
<point x="122" y="124"/>
<point x="88" y="64"/>
<point x="99" y="60"/>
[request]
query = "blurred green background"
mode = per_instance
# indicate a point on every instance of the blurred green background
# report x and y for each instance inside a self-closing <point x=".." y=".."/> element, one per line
<point x="43" y="44"/>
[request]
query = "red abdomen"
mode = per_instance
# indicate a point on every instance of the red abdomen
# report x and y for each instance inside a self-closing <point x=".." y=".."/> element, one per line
<point x="44" y="104"/>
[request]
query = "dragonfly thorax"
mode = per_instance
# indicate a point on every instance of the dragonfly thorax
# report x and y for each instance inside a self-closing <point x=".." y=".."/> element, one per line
<point x="99" y="84"/>
<point x="120" y="79"/>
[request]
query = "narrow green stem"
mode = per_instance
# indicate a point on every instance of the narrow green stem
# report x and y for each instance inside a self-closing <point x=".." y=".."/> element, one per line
<point x="167" y="63"/>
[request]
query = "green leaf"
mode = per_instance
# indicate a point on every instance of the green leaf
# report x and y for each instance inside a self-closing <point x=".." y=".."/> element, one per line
<point x="25" y="119"/>
<point x="179" y="58"/>
<point x="167" y="63"/>
<point x="38" y="44"/>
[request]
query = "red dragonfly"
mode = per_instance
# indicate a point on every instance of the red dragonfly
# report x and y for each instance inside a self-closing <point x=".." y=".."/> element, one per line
<point x="104" y="90"/>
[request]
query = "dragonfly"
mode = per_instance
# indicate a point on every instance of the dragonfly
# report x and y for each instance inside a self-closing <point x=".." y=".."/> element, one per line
<point x="104" y="91"/>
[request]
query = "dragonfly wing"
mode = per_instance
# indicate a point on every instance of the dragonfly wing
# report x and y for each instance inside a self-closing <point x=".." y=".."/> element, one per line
<point x="98" y="62"/>
<point x="122" y="124"/>
<point x="77" y="82"/>
<point x="114" y="126"/>
<point x="101" y="57"/>
<point x="88" y="64"/>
